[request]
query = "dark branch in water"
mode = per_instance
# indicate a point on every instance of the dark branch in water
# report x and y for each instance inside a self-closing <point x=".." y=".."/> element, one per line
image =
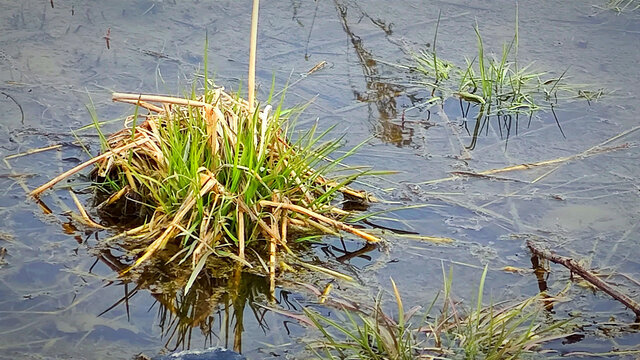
<point x="592" y="278"/>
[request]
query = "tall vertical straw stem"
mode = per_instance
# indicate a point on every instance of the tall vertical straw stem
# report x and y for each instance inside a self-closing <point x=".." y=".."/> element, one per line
<point x="252" y="53"/>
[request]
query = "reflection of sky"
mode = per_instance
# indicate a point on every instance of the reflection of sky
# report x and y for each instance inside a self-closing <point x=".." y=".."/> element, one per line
<point x="52" y="60"/>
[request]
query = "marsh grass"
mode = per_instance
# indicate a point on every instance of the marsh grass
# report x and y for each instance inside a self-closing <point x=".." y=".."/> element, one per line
<point x="498" y="86"/>
<point x="483" y="332"/>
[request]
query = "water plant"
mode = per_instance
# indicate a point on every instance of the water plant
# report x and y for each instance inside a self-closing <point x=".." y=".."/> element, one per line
<point x="499" y="87"/>
<point x="216" y="174"/>
<point x="484" y="332"/>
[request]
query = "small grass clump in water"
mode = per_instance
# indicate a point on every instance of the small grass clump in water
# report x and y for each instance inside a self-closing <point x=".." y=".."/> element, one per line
<point x="217" y="176"/>
<point x="481" y="333"/>
<point x="499" y="87"/>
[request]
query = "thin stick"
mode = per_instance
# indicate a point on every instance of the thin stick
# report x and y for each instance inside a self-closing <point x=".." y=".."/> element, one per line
<point x="272" y="256"/>
<point x="252" y="52"/>
<point x="240" y="233"/>
<point x="585" y="154"/>
<point x="324" y="219"/>
<point x="574" y="267"/>
<point x="35" y="193"/>
<point x="34" y="151"/>
<point x="273" y="248"/>
<point x="144" y="104"/>
<point x="123" y="97"/>
<point x="83" y="212"/>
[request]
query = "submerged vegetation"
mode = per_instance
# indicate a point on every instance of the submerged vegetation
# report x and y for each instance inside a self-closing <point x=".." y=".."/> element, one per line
<point x="620" y="6"/>
<point x="495" y="332"/>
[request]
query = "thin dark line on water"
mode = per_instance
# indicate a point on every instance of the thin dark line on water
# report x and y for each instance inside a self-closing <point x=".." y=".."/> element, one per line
<point x="126" y="301"/>
<point x="313" y="21"/>
<point x="557" y="122"/>
<point x="507" y="126"/>
<point x="16" y="102"/>
<point x="396" y="231"/>
<point x="128" y="295"/>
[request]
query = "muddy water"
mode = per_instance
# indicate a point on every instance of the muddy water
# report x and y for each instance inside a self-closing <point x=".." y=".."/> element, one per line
<point x="59" y="295"/>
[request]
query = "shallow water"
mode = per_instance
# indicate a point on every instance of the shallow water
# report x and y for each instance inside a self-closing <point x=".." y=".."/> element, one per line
<point x="55" y="285"/>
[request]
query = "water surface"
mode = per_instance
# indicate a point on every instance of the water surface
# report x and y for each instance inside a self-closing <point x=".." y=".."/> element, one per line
<point x="58" y="291"/>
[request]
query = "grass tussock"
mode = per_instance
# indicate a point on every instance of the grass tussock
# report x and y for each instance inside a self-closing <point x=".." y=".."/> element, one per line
<point x="484" y="332"/>
<point x="217" y="177"/>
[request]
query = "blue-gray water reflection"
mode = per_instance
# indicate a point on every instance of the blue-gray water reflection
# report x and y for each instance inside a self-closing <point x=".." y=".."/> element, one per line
<point x="54" y="60"/>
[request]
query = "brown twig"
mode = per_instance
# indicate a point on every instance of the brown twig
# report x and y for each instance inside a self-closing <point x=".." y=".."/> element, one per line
<point x="574" y="267"/>
<point x="107" y="38"/>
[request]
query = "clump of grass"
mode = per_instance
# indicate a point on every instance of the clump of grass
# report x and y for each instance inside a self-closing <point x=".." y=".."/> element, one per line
<point x="489" y="332"/>
<point x="498" y="86"/>
<point x="218" y="177"/>
<point x="496" y="333"/>
<point x="369" y="336"/>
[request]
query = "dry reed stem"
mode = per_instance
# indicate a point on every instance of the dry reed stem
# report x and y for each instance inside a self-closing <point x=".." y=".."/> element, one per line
<point x="215" y="116"/>
<point x="171" y="230"/>
<point x="273" y="248"/>
<point x="308" y="223"/>
<point x="36" y="193"/>
<point x="33" y="151"/>
<point x="325" y="293"/>
<point x="283" y="229"/>
<point x="326" y="271"/>
<point x="335" y="223"/>
<point x="83" y="212"/>
<point x="123" y="97"/>
<point x="240" y="233"/>
<point x="590" y="152"/>
<point x="252" y="53"/>
<point x="263" y="225"/>
<point x="433" y="239"/>
<point x="144" y="104"/>
<point x="114" y="197"/>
